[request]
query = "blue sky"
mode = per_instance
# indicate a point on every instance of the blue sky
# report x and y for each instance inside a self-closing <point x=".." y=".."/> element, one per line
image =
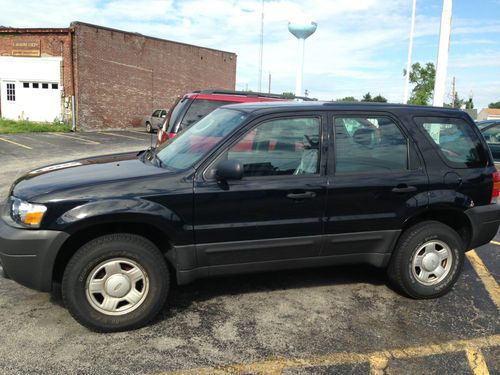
<point x="360" y="45"/>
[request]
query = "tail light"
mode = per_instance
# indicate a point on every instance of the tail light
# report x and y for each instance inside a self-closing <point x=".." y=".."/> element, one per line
<point x="495" y="192"/>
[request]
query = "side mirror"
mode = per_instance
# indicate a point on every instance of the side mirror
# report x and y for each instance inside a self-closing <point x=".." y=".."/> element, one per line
<point x="229" y="170"/>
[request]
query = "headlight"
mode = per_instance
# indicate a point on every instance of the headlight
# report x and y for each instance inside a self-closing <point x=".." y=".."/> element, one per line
<point x="25" y="213"/>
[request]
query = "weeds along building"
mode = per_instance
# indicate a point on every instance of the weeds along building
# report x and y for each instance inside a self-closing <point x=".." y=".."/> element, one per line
<point x="101" y="77"/>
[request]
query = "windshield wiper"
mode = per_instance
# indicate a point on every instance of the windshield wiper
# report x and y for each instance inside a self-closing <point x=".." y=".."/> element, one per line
<point x="150" y="155"/>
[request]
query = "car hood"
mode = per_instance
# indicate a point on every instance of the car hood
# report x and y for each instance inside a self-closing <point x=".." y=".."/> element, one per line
<point x="85" y="175"/>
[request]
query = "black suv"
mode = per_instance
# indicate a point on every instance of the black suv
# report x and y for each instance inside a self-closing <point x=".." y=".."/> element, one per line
<point x="256" y="187"/>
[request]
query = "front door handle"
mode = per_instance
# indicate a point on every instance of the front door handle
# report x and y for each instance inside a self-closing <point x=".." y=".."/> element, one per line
<point x="305" y="195"/>
<point x="403" y="188"/>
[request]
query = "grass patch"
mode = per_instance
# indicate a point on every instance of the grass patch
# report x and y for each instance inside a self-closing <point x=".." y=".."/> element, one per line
<point x="23" y="126"/>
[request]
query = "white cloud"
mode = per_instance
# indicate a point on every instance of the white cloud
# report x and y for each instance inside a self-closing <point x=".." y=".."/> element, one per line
<point x="359" y="46"/>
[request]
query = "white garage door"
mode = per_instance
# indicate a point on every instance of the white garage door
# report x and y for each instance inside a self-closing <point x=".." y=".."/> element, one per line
<point x="30" y="88"/>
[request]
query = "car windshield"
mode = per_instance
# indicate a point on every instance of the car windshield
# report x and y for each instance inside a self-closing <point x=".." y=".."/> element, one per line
<point x="196" y="141"/>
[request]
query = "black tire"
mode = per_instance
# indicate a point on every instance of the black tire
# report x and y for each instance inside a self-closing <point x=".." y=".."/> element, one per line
<point x="404" y="273"/>
<point x="128" y="252"/>
<point x="149" y="128"/>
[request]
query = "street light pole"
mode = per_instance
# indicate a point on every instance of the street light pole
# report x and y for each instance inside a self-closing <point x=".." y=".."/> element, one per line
<point x="442" y="60"/>
<point x="410" y="49"/>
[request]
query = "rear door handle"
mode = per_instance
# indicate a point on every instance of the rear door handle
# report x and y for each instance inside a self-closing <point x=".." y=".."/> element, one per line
<point x="305" y="195"/>
<point x="404" y="189"/>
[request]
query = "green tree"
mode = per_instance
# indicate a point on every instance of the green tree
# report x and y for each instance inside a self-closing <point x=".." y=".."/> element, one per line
<point x="494" y="105"/>
<point x="469" y="104"/>
<point x="379" y="99"/>
<point x="367" y="97"/>
<point x="348" y="99"/>
<point x="457" y="102"/>
<point x="423" y="78"/>
<point x="288" y="95"/>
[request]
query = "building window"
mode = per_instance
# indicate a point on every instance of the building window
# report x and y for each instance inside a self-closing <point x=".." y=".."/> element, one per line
<point x="26" y="85"/>
<point x="35" y="85"/>
<point x="55" y="86"/>
<point x="11" y="92"/>
<point x="45" y="85"/>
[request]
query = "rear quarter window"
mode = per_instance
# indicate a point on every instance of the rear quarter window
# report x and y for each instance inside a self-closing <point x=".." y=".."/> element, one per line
<point x="457" y="143"/>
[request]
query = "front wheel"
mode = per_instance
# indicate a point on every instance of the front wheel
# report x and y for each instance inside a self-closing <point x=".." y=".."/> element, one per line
<point x="427" y="260"/>
<point x="115" y="282"/>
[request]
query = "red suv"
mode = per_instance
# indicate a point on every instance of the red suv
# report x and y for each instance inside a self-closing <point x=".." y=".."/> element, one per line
<point x="191" y="107"/>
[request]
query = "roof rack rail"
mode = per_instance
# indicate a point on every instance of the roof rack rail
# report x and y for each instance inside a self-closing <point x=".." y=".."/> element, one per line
<point x="251" y="93"/>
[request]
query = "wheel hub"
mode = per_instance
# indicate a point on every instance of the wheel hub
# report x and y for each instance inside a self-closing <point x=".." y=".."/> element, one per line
<point x="117" y="285"/>
<point x="430" y="262"/>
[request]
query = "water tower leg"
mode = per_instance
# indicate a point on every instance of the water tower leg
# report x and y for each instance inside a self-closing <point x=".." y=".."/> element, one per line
<point x="300" y="68"/>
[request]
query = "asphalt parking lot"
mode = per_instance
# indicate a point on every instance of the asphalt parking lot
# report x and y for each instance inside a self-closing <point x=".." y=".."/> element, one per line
<point x="336" y="320"/>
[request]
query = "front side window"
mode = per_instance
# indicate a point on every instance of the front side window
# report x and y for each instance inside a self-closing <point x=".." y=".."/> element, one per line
<point x="456" y="141"/>
<point x="198" y="140"/>
<point x="279" y="147"/>
<point x="369" y="144"/>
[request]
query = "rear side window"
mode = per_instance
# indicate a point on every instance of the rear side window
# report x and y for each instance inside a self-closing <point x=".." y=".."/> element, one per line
<point x="199" y="109"/>
<point x="456" y="141"/>
<point x="369" y="144"/>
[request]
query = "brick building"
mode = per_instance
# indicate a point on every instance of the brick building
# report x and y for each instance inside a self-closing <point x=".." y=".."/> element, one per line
<point x="101" y="77"/>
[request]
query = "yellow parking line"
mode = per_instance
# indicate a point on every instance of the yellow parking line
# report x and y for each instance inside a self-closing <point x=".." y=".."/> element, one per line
<point x="378" y="365"/>
<point x="121" y="135"/>
<point x="273" y="366"/>
<point x="476" y="361"/>
<point x="495" y="242"/>
<point x="84" y="140"/>
<point x="489" y="281"/>
<point x="15" y="143"/>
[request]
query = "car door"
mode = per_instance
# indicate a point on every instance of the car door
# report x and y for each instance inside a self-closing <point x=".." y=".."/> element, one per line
<point x="275" y="212"/>
<point x="155" y="118"/>
<point x="376" y="180"/>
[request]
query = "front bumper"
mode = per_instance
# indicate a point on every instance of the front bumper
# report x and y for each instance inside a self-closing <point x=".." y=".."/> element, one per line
<point x="27" y="256"/>
<point x="485" y="221"/>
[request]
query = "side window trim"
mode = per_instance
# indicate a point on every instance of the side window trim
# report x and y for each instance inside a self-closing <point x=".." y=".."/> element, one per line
<point x="214" y="158"/>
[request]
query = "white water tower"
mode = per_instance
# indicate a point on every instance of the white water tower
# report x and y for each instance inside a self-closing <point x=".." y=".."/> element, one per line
<point x="301" y="30"/>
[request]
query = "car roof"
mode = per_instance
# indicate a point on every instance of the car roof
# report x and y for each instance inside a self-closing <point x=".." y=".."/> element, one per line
<point x="342" y="106"/>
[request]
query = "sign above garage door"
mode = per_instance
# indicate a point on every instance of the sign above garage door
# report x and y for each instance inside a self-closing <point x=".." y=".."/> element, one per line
<point x="28" y="48"/>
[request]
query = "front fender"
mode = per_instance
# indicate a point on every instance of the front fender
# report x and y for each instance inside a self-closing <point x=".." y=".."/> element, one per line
<point x="129" y="210"/>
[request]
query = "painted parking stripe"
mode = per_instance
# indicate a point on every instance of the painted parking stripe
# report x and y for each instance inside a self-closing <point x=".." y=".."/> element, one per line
<point x="84" y="140"/>
<point x="495" y="242"/>
<point x="378" y="365"/>
<point x="15" y="143"/>
<point x="277" y="365"/>
<point x="476" y="361"/>
<point x="488" y="281"/>
<point x="123" y="136"/>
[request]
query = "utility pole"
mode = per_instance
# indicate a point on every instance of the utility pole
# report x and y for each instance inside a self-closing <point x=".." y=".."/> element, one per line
<point x="453" y="93"/>
<point x="261" y="50"/>
<point x="442" y="60"/>
<point x="410" y="48"/>
<point x="269" y="85"/>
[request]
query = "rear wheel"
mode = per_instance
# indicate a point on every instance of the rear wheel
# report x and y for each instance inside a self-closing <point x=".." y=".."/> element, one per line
<point x="149" y="128"/>
<point x="115" y="282"/>
<point x="427" y="260"/>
